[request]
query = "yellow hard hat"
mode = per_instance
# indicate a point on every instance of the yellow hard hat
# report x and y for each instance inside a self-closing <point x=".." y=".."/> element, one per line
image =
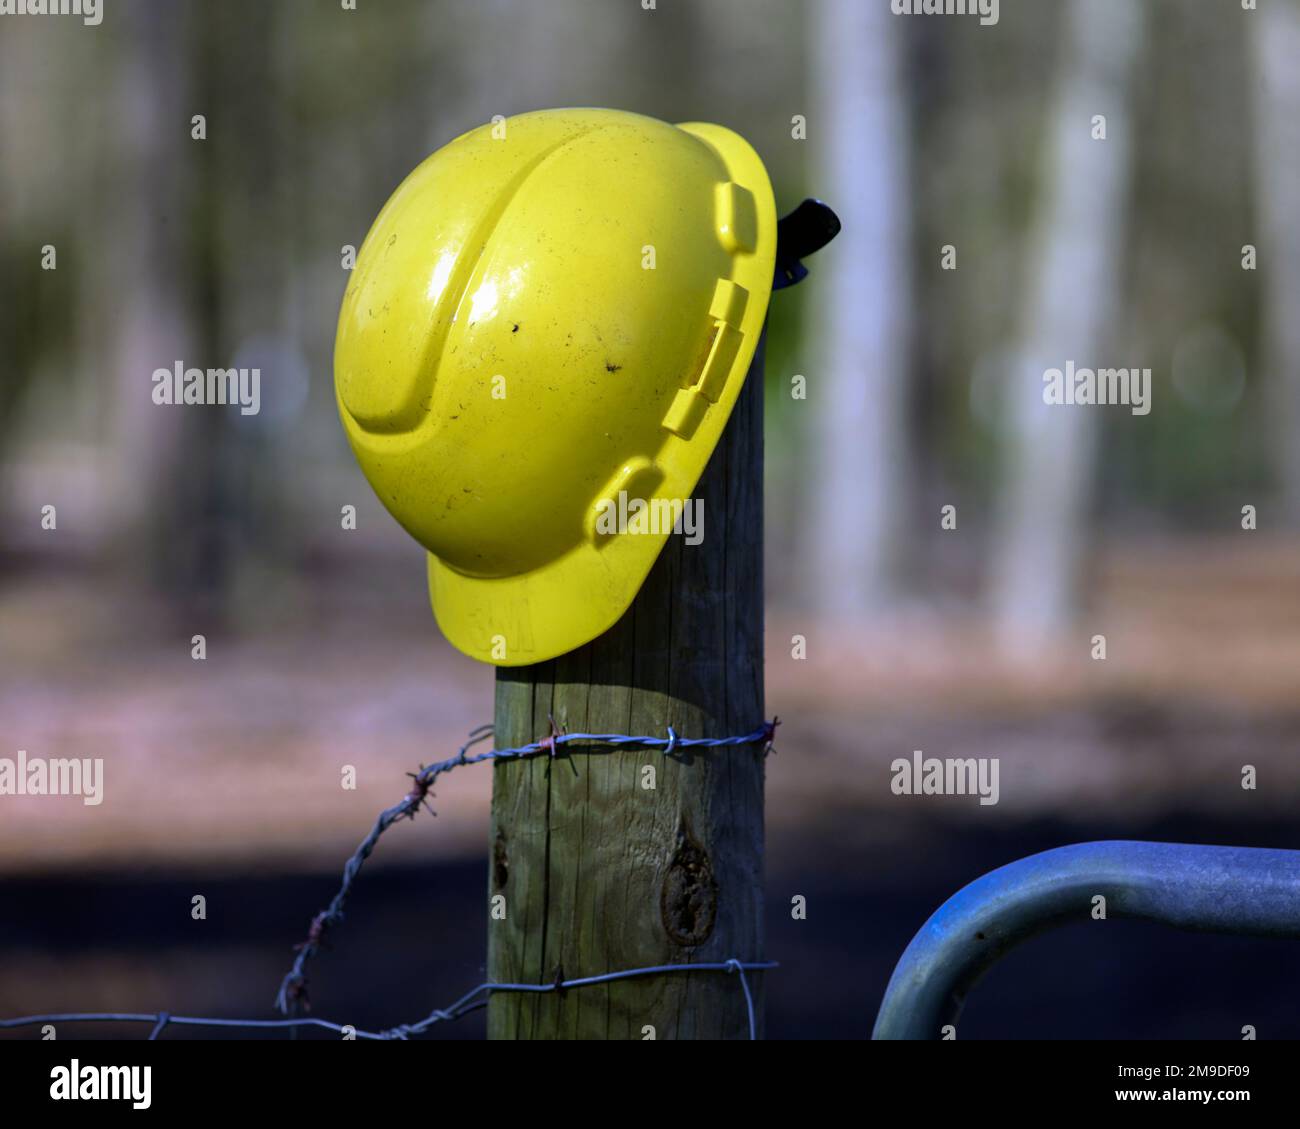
<point x="551" y="310"/>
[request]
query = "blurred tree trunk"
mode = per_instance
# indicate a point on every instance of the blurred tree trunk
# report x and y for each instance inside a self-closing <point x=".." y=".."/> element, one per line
<point x="252" y="232"/>
<point x="140" y="281"/>
<point x="1071" y="305"/>
<point x="197" y="556"/>
<point x="1276" y="47"/>
<point x="858" y="128"/>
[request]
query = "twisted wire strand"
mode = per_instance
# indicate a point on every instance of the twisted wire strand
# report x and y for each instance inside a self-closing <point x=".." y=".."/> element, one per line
<point x="293" y="987"/>
<point x="471" y="1001"/>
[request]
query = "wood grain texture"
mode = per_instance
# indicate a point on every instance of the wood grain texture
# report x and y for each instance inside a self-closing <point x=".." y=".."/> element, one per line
<point x="600" y="873"/>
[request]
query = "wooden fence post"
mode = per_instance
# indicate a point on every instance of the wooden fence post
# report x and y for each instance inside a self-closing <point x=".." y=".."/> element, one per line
<point x="600" y="872"/>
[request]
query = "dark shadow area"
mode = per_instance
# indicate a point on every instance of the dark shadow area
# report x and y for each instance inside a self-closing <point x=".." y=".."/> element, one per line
<point x="414" y="939"/>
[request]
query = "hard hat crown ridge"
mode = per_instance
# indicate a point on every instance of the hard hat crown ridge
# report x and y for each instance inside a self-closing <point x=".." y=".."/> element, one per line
<point x="550" y="310"/>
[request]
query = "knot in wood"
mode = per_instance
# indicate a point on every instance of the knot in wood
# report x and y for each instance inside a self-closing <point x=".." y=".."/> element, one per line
<point x="689" y="899"/>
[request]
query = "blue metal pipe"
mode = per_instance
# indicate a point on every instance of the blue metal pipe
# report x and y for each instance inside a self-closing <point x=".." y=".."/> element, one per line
<point x="1241" y="890"/>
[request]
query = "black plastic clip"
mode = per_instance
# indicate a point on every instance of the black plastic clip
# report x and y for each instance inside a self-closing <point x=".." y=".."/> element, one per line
<point x="803" y="232"/>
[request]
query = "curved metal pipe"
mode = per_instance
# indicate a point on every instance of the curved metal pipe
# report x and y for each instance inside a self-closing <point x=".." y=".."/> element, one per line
<point x="1242" y="890"/>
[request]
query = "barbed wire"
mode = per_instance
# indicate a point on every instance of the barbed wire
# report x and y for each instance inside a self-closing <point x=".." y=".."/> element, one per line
<point x="293" y="987"/>
<point x="471" y="1001"/>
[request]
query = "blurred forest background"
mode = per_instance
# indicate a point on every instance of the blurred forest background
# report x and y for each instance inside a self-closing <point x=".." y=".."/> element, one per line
<point x="924" y="391"/>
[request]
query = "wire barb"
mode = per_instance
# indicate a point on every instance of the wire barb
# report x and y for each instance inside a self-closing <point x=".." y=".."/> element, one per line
<point x="557" y="733"/>
<point x="769" y="735"/>
<point x="416" y="798"/>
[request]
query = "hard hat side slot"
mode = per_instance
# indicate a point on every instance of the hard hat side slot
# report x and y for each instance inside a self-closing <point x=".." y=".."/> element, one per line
<point x="726" y="344"/>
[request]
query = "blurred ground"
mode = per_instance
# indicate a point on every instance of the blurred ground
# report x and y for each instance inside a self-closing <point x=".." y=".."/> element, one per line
<point x="221" y="763"/>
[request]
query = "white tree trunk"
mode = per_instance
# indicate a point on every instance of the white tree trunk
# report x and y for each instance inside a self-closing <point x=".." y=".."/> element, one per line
<point x="1276" y="50"/>
<point x="1070" y="314"/>
<point x="140" y="279"/>
<point x="858" y="129"/>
